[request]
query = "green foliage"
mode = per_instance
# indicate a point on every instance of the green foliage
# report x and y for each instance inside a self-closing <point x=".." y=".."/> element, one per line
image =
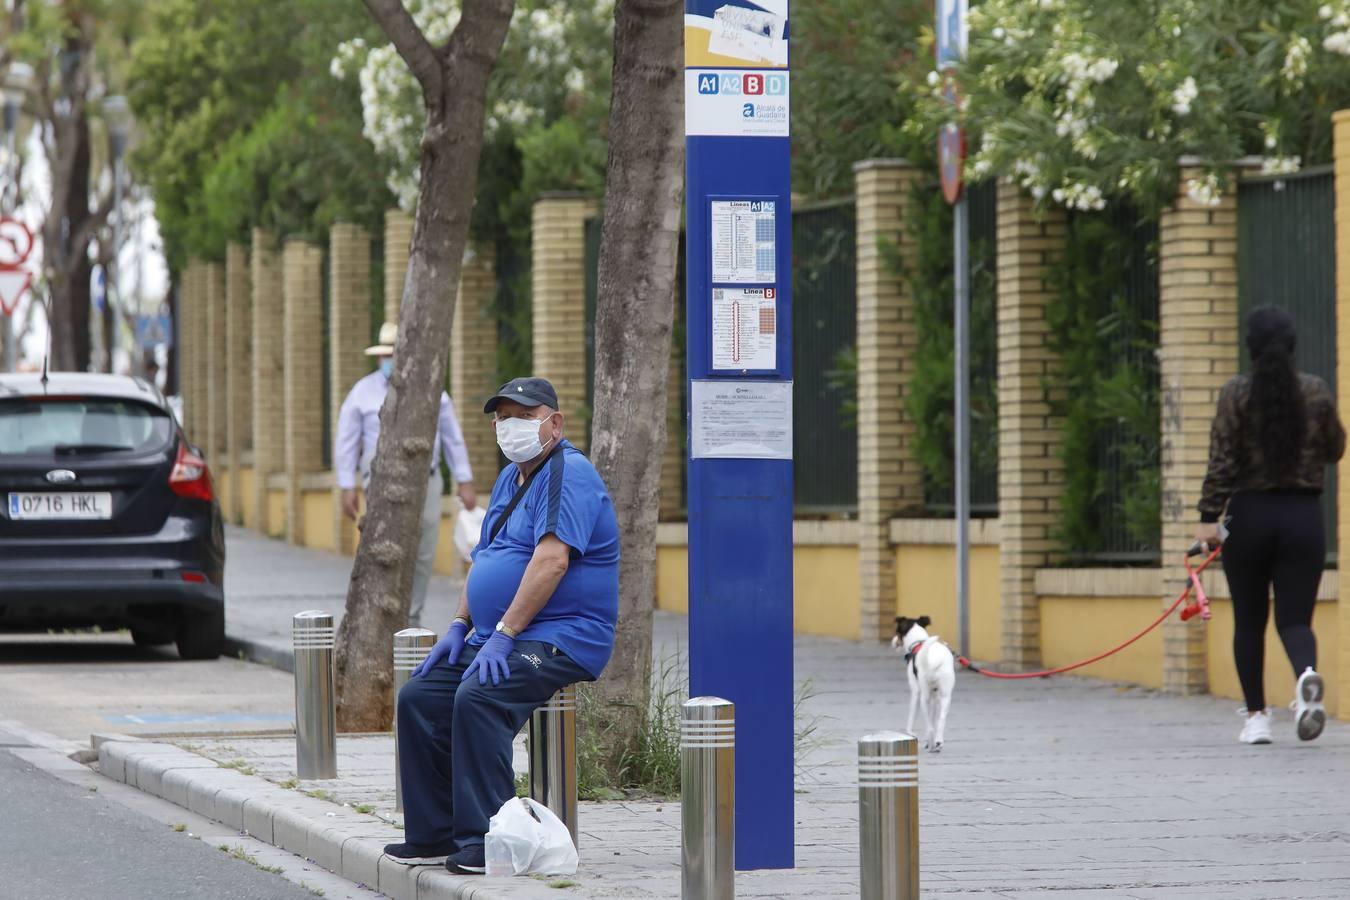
<point x="241" y="124"/>
<point x="842" y="377"/>
<point x="1082" y="101"/>
<point x="849" y="57"/>
<point x="931" y="401"/>
<point x="1104" y="389"/>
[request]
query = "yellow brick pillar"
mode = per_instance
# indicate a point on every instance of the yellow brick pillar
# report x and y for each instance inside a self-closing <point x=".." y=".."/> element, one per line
<point x="473" y="361"/>
<point x="1198" y="352"/>
<point x="268" y="375"/>
<point x="398" y="229"/>
<point x="239" y="368"/>
<point x="186" y="348"/>
<point x="1029" y="467"/>
<point x="1341" y="126"/>
<point x="302" y="319"/>
<point x="558" y="290"/>
<point x="673" y="460"/>
<point x="201" y="358"/>
<point x="889" y="479"/>
<point x="348" y="337"/>
<point x="216" y="386"/>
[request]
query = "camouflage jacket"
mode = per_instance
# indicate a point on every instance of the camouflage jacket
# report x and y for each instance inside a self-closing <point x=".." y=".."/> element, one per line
<point x="1235" y="457"/>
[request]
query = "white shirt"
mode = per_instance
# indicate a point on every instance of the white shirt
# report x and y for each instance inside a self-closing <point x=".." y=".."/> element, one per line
<point x="358" y="431"/>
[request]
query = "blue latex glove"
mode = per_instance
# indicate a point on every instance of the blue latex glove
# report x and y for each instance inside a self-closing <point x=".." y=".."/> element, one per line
<point x="447" y="648"/>
<point x="491" y="660"/>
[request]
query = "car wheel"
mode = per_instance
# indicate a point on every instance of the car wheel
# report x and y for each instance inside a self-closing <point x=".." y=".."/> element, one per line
<point x="143" y="638"/>
<point x="202" y="636"/>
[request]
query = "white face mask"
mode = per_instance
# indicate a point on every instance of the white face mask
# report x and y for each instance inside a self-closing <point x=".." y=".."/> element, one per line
<point x="519" y="439"/>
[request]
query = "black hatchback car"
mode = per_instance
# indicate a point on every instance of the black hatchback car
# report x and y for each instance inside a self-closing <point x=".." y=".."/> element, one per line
<point x="107" y="514"/>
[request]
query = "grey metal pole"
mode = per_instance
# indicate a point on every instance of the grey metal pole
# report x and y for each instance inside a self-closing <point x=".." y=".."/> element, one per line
<point x="411" y="646"/>
<point x="888" y="816"/>
<point x="315" y="702"/>
<point x="708" y="799"/>
<point x="110" y="309"/>
<point x="7" y="335"/>
<point x="553" y="756"/>
<point x="961" y="239"/>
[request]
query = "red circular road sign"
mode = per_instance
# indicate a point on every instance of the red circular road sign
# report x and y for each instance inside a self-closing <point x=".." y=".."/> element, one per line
<point x="16" y="242"/>
<point x="951" y="144"/>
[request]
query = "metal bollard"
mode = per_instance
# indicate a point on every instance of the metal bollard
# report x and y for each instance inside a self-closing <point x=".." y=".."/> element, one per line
<point x="553" y="756"/>
<point x="708" y="799"/>
<point x="888" y="815"/>
<point x="315" y="701"/>
<point x="411" y="646"/>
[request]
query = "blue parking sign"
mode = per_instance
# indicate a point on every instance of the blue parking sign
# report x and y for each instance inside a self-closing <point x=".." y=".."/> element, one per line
<point x="950" y="32"/>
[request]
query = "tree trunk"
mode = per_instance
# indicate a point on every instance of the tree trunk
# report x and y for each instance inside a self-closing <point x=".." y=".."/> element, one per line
<point x="634" y="310"/>
<point x="454" y="85"/>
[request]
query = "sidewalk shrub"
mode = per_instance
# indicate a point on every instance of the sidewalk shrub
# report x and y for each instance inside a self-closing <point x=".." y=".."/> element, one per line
<point x="931" y="401"/>
<point x="1105" y="388"/>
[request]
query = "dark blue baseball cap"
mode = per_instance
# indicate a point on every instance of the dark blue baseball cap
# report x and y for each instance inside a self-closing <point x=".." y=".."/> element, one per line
<point x="526" y="392"/>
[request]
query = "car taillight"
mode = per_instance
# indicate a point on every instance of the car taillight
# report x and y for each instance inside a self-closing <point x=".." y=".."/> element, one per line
<point x="190" y="477"/>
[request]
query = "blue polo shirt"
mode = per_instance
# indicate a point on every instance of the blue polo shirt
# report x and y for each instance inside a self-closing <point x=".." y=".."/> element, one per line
<point x="566" y="499"/>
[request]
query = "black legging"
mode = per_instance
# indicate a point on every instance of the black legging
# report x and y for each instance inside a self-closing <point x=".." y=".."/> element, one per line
<point x="1274" y="538"/>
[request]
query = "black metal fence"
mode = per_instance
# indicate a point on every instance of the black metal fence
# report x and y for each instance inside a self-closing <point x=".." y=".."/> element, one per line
<point x="1127" y="453"/>
<point x="824" y="342"/>
<point x="939" y="493"/>
<point x="1287" y="256"/>
<point x="825" y="440"/>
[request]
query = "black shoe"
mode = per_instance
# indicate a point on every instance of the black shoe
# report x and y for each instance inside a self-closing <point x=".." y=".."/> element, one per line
<point x="468" y="861"/>
<point x="418" y="854"/>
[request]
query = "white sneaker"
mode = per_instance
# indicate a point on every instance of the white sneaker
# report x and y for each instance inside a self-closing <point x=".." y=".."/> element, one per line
<point x="1309" y="715"/>
<point x="1256" y="730"/>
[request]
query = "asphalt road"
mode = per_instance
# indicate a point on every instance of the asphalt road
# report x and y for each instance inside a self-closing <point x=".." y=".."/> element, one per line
<point x="62" y="841"/>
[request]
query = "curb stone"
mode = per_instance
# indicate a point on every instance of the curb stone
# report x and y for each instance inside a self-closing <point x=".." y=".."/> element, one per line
<point x="344" y="842"/>
<point x="259" y="652"/>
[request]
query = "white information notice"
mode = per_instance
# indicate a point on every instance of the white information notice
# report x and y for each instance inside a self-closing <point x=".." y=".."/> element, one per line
<point x="744" y="328"/>
<point x="744" y="241"/>
<point x="741" y="419"/>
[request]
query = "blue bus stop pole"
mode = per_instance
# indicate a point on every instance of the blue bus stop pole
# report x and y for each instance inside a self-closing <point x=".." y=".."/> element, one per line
<point x="739" y="328"/>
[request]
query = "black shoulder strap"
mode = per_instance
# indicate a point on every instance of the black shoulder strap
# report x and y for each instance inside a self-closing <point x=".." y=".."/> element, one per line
<point x="520" y="493"/>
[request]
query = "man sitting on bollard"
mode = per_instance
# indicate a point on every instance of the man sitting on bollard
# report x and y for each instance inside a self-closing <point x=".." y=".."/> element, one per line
<point x="537" y="613"/>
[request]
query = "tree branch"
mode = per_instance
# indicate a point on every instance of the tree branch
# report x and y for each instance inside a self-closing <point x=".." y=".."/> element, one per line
<point x="393" y="17"/>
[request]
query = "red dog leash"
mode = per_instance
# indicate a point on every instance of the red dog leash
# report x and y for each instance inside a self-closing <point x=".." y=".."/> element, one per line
<point x="1200" y="608"/>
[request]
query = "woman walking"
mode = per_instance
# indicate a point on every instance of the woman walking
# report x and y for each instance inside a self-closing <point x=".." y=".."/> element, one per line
<point x="1275" y="431"/>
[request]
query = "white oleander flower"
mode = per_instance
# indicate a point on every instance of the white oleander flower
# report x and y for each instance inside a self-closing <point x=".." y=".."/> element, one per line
<point x="1204" y="191"/>
<point x="1280" y="165"/>
<point x="1184" y="96"/>
<point x="1296" y="60"/>
<point x="1338" y="43"/>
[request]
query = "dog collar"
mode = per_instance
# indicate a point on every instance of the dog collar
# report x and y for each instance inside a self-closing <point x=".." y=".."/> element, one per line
<point x="914" y="649"/>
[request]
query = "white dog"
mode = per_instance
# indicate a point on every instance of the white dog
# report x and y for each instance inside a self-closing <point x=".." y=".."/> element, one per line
<point x="932" y="675"/>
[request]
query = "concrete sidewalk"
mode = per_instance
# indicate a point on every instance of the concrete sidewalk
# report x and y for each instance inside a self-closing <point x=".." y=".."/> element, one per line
<point x="1058" y="788"/>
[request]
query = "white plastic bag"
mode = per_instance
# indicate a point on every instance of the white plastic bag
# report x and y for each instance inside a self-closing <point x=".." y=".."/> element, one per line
<point x="468" y="528"/>
<point x="532" y="837"/>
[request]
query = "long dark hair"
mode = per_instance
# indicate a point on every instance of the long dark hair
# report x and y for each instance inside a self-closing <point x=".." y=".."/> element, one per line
<point x="1275" y="406"/>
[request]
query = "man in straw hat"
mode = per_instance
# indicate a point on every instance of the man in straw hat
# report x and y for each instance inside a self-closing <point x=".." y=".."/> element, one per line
<point x="358" y="431"/>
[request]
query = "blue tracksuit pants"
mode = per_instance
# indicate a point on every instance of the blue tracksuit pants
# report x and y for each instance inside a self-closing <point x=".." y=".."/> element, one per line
<point x="454" y="740"/>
